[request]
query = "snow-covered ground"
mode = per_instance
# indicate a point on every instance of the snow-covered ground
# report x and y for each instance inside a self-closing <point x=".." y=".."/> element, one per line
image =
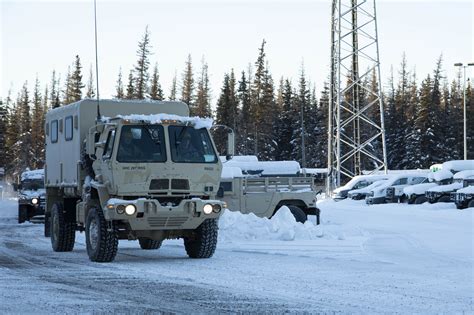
<point x="361" y="259"/>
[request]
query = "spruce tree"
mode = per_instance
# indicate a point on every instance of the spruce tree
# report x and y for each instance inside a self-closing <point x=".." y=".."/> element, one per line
<point x="226" y="111"/>
<point x="156" y="92"/>
<point x="284" y="126"/>
<point x="54" y="94"/>
<point x="119" y="93"/>
<point x="187" y="85"/>
<point x="3" y="130"/>
<point x="90" y="93"/>
<point x="203" y="106"/>
<point x="75" y="81"/>
<point x="24" y="157"/>
<point x="173" y="89"/>
<point x="37" y="129"/>
<point x="130" y="87"/>
<point x="142" y="66"/>
<point x="243" y="142"/>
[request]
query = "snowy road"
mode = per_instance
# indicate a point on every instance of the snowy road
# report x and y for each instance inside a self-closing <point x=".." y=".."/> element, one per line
<point x="378" y="259"/>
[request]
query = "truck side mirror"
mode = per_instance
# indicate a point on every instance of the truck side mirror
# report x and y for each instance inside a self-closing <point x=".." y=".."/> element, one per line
<point x="230" y="144"/>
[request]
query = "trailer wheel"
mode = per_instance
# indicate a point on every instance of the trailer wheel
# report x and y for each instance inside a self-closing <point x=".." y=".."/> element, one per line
<point x="471" y="204"/>
<point x="101" y="237"/>
<point x="444" y="199"/>
<point x="420" y="199"/>
<point x="47" y="225"/>
<point x="299" y="214"/>
<point x="146" y="243"/>
<point x="63" y="233"/>
<point x="22" y="214"/>
<point x="403" y="199"/>
<point x="203" y="243"/>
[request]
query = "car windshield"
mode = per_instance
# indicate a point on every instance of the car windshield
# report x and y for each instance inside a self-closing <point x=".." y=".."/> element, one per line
<point x="32" y="184"/>
<point x="142" y="144"/>
<point x="190" y="145"/>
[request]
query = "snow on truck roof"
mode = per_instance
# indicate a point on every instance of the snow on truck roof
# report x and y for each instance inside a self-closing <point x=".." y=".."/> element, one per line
<point x="196" y="122"/>
<point x="442" y="175"/>
<point x="34" y="174"/>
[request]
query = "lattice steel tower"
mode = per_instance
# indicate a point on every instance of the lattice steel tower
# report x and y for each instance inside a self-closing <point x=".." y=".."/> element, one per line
<point x="356" y="137"/>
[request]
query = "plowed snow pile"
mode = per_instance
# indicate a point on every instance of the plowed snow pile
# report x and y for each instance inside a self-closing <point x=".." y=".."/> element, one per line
<point x="235" y="226"/>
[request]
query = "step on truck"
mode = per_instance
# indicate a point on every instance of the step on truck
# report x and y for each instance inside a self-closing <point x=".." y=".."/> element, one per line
<point x="130" y="170"/>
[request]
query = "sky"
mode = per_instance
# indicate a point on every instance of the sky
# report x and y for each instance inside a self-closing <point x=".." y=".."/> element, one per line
<point x="39" y="36"/>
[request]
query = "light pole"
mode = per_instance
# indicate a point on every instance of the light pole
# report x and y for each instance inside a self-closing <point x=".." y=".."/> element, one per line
<point x="460" y="64"/>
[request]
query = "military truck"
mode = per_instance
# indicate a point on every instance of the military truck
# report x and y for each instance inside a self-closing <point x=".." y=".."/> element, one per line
<point x="138" y="170"/>
<point x="31" y="195"/>
<point x="263" y="195"/>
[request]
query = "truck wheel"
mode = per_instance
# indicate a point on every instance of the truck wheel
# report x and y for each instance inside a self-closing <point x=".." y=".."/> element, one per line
<point x="146" y="243"/>
<point x="471" y="204"/>
<point x="47" y="225"/>
<point x="203" y="244"/>
<point x="299" y="214"/>
<point x="444" y="199"/>
<point x="22" y="214"/>
<point x="101" y="237"/>
<point x="420" y="199"/>
<point x="403" y="199"/>
<point x="63" y="233"/>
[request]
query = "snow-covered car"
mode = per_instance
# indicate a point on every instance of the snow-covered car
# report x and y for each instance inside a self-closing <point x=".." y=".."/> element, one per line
<point x="359" y="194"/>
<point x="464" y="197"/>
<point x="392" y="189"/>
<point x="443" y="193"/>
<point x="31" y="195"/>
<point x="442" y="175"/>
<point x="357" y="182"/>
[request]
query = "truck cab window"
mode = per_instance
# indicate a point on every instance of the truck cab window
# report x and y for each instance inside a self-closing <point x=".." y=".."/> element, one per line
<point x="109" y="145"/>
<point x="190" y="145"/>
<point x="142" y="144"/>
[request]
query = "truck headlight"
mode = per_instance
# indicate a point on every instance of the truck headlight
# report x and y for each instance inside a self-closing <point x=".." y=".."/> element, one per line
<point x="130" y="209"/>
<point x="216" y="208"/>
<point x="34" y="201"/>
<point x="207" y="208"/>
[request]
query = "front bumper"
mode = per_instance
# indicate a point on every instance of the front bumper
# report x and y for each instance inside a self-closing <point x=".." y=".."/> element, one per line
<point x="375" y="200"/>
<point x="33" y="209"/>
<point x="461" y="199"/>
<point x="151" y="215"/>
<point x="433" y="196"/>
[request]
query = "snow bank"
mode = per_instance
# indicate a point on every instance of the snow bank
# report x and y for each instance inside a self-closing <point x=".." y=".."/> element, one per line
<point x="442" y="175"/>
<point x="34" y="174"/>
<point x="458" y="165"/>
<point x="464" y="174"/>
<point x="196" y="122"/>
<point x="235" y="226"/>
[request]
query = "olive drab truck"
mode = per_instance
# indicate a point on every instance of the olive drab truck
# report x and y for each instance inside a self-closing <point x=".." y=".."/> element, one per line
<point x="138" y="170"/>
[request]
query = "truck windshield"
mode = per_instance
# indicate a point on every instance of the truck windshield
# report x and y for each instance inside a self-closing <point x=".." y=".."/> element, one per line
<point x="32" y="184"/>
<point x="142" y="144"/>
<point x="190" y="145"/>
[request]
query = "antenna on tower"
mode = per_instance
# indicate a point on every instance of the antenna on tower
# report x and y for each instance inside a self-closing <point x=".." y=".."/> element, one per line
<point x="356" y="132"/>
<point x="96" y="61"/>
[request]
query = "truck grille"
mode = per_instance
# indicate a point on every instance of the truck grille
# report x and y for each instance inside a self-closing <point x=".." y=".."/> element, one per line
<point x="42" y="203"/>
<point x="159" y="184"/>
<point x="390" y="192"/>
<point x="167" y="221"/>
<point x="182" y="184"/>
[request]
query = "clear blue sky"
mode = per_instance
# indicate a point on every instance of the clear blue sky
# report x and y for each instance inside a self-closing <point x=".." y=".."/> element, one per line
<point x="39" y="36"/>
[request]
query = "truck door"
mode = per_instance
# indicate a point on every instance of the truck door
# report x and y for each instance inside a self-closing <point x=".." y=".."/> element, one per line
<point x="106" y="159"/>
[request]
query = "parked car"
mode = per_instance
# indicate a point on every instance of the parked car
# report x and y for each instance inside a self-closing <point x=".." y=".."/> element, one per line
<point x="392" y="190"/>
<point x="442" y="174"/>
<point x="359" y="194"/>
<point x="357" y="182"/>
<point x="443" y="193"/>
<point x="464" y="197"/>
